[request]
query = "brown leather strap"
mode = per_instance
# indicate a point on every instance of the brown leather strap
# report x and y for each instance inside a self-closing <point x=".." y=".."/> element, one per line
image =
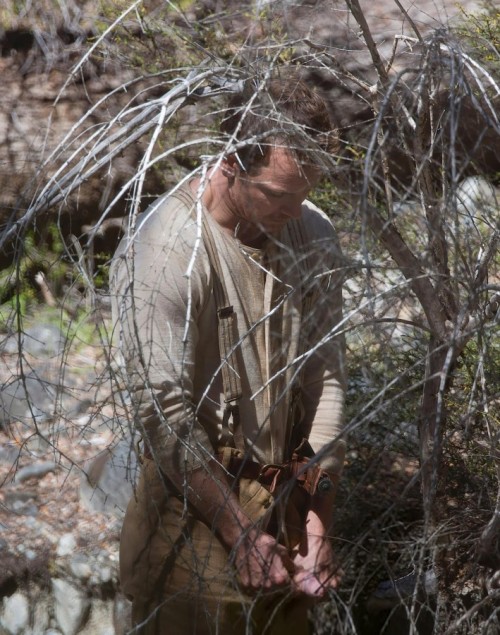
<point x="227" y="321"/>
<point x="272" y="475"/>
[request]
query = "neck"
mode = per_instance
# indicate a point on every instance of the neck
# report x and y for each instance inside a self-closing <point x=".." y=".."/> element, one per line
<point x="218" y="200"/>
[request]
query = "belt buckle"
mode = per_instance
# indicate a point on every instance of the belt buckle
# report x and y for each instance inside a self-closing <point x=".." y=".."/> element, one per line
<point x="269" y="466"/>
<point x="275" y="478"/>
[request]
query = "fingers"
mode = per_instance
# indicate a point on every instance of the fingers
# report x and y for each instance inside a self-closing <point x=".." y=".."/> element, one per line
<point x="263" y="564"/>
<point x="315" y="578"/>
<point x="315" y="587"/>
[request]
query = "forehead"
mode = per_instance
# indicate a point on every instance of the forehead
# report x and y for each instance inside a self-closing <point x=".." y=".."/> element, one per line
<point x="283" y="166"/>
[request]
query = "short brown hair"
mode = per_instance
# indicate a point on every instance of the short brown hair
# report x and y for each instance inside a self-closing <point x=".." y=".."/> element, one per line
<point x="284" y="109"/>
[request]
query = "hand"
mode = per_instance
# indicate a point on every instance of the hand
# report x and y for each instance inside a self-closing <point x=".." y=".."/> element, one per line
<point x="262" y="563"/>
<point x="316" y="568"/>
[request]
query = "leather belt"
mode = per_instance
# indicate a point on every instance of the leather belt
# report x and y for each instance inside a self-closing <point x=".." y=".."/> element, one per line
<point x="271" y="475"/>
<point x="299" y="470"/>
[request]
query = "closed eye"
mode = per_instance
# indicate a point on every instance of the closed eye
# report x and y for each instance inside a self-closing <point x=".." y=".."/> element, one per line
<point x="274" y="193"/>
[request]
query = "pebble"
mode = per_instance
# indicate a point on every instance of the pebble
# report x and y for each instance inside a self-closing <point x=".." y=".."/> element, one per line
<point x="43" y="340"/>
<point x="35" y="470"/>
<point x="80" y="567"/>
<point x="475" y="192"/>
<point x="15" y="615"/>
<point x="70" y="606"/>
<point x="105" y="574"/>
<point x="66" y="545"/>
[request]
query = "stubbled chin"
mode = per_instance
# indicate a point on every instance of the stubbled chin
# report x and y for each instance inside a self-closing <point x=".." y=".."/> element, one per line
<point x="275" y="228"/>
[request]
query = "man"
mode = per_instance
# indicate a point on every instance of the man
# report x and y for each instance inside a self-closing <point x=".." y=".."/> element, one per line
<point x="227" y="309"/>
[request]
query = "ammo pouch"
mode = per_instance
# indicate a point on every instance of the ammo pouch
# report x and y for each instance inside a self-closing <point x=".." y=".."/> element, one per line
<point x="288" y="489"/>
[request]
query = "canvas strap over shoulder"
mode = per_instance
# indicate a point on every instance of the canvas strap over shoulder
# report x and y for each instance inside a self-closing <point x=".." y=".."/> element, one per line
<point x="226" y="321"/>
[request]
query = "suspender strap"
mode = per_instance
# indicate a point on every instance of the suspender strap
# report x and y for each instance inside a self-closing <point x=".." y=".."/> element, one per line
<point x="226" y="319"/>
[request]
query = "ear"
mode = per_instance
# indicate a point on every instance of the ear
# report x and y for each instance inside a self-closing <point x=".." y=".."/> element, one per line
<point x="230" y="166"/>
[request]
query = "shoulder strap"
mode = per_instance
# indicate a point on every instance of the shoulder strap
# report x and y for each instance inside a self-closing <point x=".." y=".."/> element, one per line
<point x="226" y="317"/>
<point x="226" y="320"/>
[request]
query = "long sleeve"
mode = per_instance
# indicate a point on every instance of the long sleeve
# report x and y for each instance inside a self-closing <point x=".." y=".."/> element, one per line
<point x="156" y="307"/>
<point x="324" y="373"/>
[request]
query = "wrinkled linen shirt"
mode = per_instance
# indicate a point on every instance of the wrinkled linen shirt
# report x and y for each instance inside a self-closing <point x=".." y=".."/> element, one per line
<point x="165" y="326"/>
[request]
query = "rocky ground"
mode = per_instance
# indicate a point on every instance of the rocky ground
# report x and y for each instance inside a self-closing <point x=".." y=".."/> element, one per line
<point x="65" y="477"/>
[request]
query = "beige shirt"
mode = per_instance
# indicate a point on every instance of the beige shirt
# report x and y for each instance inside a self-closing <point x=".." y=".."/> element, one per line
<point x="166" y="328"/>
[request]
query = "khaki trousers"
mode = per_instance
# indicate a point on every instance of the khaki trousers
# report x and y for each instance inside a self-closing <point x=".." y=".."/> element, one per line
<point x="178" y="575"/>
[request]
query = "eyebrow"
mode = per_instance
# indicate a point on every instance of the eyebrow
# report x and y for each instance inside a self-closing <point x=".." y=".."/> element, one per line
<point x="264" y="186"/>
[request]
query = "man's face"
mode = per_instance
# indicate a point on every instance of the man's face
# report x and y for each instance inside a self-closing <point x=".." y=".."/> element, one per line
<point x="270" y="195"/>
